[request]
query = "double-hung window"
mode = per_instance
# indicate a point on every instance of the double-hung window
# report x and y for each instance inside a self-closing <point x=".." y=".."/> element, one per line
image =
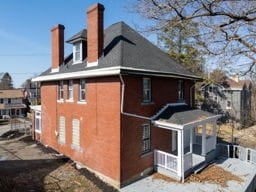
<point x="180" y="90"/>
<point x="82" y="90"/>
<point x="70" y="90"/>
<point x="77" y="52"/>
<point x="146" y="143"/>
<point x="61" y="90"/>
<point x="146" y="90"/>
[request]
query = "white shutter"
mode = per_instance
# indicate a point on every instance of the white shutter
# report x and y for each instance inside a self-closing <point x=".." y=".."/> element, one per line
<point x="76" y="133"/>
<point x="62" y="130"/>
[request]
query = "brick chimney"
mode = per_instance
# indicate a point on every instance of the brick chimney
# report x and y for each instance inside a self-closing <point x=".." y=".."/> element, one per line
<point x="95" y="32"/>
<point x="57" y="46"/>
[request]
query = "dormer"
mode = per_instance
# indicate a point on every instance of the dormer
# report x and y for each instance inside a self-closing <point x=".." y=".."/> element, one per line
<point x="79" y="42"/>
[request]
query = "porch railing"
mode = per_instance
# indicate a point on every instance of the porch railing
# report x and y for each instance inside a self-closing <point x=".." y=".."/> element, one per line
<point x="166" y="160"/>
<point x="237" y="151"/>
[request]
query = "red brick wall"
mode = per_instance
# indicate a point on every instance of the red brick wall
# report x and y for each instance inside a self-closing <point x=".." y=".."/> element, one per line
<point x="57" y="45"/>
<point x="164" y="90"/>
<point x="133" y="161"/>
<point x="95" y="32"/>
<point x="99" y="123"/>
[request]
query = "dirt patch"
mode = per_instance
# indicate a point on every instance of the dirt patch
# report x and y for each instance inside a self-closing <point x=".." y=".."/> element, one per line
<point x="214" y="174"/>
<point x="163" y="177"/>
<point x="56" y="176"/>
<point x="28" y="166"/>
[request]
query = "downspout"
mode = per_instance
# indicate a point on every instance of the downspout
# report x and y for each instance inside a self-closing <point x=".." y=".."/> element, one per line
<point x="122" y="93"/>
<point x="122" y="102"/>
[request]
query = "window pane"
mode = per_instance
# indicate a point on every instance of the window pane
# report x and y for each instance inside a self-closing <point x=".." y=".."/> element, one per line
<point x="146" y="146"/>
<point x="146" y="90"/>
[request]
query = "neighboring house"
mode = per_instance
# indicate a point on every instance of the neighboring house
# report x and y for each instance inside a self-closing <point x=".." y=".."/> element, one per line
<point x="117" y="105"/>
<point x="11" y="103"/>
<point x="233" y="96"/>
<point x="32" y="90"/>
<point x="5" y="81"/>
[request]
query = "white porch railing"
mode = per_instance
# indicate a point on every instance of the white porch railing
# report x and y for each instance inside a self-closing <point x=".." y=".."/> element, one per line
<point x="166" y="160"/>
<point x="237" y="151"/>
<point x="188" y="161"/>
<point x="210" y="144"/>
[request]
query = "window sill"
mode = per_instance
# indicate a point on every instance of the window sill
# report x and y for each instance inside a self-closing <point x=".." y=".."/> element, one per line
<point x="38" y="131"/>
<point x="61" y="142"/>
<point x="81" y="102"/>
<point x="146" y="154"/>
<point x="77" y="62"/>
<point x="60" y="101"/>
<point x="70" y="100"/>
<point x="76" y="148"/>
<point x="147" y="103"/>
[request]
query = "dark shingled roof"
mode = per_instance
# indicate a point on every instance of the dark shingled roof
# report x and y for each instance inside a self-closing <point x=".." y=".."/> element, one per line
<point x="182" y="114"/>
<point x="82" y="35"/>
<point x="125" y="47"/>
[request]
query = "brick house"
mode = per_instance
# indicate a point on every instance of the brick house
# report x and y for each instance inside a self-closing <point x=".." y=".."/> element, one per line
<point x="112" y="105"/>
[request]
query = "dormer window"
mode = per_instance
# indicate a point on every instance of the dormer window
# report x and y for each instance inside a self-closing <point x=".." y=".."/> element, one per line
<point x="77" y="52"/>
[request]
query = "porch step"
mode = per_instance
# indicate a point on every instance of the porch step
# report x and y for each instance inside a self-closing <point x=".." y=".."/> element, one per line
<point x="198" y="168"/>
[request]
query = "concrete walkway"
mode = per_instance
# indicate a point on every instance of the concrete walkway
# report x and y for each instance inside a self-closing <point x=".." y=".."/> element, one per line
<point x="246" y="171"/>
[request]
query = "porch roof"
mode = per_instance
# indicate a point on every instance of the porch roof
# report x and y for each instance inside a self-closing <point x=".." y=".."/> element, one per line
<point x="180" y="114"/>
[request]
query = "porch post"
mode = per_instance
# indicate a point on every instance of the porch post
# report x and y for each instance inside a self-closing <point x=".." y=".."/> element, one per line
<point x="203" y="139"/>
<point x="191" y="139"/>
<point x="179" y="148"/>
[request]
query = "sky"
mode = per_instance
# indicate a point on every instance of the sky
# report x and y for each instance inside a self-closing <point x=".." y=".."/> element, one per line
<point x="25" y="37"/>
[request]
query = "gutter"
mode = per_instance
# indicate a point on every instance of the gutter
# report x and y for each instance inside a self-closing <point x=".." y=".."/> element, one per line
<point x="122" y="102"/>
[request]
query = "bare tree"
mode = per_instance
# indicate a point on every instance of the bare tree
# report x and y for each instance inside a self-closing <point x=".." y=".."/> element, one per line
<point x="227" y="29"/>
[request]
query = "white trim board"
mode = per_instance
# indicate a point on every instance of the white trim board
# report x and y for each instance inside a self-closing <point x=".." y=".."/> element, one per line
<point x="107" y="72"/>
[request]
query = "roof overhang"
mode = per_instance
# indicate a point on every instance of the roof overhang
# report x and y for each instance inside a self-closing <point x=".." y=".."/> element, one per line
<point x="172" y="126"/>
<point x="108" y="71"/>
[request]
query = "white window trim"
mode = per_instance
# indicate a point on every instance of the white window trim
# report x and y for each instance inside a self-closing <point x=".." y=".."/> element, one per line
<point x="143" y="152"/>
<point x="80" y="92"/>
<point x="146" y="89"/>
<point x="38" y="116"/>
<point x="60" y="100"/>
<point x="70" y="99"/>
<point x="74" y="53"/>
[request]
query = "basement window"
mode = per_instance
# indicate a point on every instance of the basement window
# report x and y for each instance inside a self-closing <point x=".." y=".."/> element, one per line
<point x="77" y="52"/>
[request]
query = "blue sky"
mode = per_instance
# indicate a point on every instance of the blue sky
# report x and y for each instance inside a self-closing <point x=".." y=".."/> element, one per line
<point x="25" y="25"/>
